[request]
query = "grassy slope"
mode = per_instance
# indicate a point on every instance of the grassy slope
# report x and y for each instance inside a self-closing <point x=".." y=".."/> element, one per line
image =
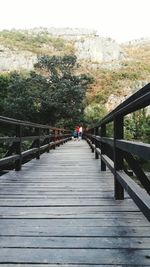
<point x="135" y="68"/>
<point x="37" y="44"/>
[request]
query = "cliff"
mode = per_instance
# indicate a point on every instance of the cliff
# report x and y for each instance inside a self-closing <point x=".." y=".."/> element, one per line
<point x="13" y="59"/>
<point x="19" y="49"/>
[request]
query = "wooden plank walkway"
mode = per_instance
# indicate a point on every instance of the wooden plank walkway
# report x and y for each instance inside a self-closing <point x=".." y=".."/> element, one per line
<point x="60" y="211"/>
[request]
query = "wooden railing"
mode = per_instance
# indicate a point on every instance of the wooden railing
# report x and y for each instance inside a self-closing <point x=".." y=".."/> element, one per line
<point x="113" y="151"/>
<point x="26" y="140"/>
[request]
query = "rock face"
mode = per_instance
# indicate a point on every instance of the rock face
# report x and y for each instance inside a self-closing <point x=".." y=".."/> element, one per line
<point x="88" y="46"/>
<point x="97" y="49"/>
<point x="114" y="100"/>
<point x="15" y="60"/>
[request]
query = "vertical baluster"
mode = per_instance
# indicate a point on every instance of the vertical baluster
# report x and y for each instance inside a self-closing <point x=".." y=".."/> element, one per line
<point x="18" y="147"/>
<point x="61" y="137"/>
<point x="58" y="138"/>
<point x="118" y="157"/>
<point x="103" y="134"/>
<point x="38" y="143"/>
<point x="54" y="139"/>
<point x="48" y="140"/>
<point x="96" y="143"/>
<point x="92" y="139"/>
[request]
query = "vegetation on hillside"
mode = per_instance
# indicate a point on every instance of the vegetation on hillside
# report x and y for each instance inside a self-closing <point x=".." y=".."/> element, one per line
<point x="58" y="92"/>
<point x="133" y="73"/>
<point x="38" y="44"/>
<point x="113" y="81"/>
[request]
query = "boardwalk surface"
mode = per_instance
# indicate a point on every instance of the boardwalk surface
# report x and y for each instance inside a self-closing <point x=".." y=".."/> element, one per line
<point x="60" y="211"/>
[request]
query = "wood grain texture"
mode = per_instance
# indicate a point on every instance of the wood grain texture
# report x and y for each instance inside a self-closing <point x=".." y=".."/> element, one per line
<point x="60" y="211"/>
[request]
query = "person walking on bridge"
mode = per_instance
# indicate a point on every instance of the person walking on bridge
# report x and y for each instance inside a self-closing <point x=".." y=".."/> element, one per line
<point x="80" y="132"/>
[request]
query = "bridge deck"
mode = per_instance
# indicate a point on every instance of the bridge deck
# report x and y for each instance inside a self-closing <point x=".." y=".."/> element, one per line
<point x="60" y="211"/>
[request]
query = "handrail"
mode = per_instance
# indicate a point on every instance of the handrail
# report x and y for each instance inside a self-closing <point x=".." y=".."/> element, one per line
<point x="41" y="139"/>
<point x="113" y="151"/>
<point x="27" y="123"/>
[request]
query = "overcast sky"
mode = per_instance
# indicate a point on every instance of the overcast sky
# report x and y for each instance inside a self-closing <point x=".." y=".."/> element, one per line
<point x="122" y="20"/>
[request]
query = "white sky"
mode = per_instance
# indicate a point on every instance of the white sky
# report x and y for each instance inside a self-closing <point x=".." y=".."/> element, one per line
<point x="122" y="20"/>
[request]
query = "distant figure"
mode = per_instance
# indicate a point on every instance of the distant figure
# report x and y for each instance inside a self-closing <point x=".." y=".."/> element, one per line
<point x="80" y="132"/>
<point x="75" y="135"/>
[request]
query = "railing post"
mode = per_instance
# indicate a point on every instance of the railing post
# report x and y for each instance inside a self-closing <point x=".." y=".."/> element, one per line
<point x="38" y="143"/>
<point x="48" y="141"/>
<point x="18" y="148"/>
<point x="62" y="137"/>
<point x="103" y="134"/>
<point x="96" y="143"/>
<point x="54" y="139"/>
<point x="58" y="137"/>
<point x="92" y="139"/>
<point x="118" y="157"/>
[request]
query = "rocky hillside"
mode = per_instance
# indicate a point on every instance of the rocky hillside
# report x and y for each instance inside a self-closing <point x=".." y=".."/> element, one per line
<point x="19" y="49"/>
<point x="118" y="70"/>
<point x="116" y="80"/>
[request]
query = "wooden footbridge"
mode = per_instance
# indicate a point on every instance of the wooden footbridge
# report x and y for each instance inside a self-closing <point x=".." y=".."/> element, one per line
<point x="66" y="207"/>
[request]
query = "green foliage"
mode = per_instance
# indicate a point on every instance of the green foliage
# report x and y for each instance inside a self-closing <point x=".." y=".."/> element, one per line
<point x="21" y="98"/>
<point x="67" y="90"/>
<point x="57" y="66"/>
<point x="54" y="98"/>
<point x="110" y="129"/>
<point x="4" y="81"/>
<point x="94" y="113"/>
<point x="146" y="130"/>
<point x="137" y="126"/>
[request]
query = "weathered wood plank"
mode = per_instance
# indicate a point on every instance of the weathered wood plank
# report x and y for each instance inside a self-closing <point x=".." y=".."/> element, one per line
<point x="135" y="231"/>
<point x="120" y="221"/>
<point x="66" y="265"/>
<point x="46" y="202"/>
<point x="49" y="212"/>
<point x="102" y="215"/>
<point x="74" y="242"/>
<point x="60" y="211"/>
<point x="56" y="265"/>
<point x="75" y="256"/>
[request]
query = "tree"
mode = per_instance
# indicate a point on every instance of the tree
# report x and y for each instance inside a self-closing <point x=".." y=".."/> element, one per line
<point x="19" y="102"/>
<point x="137" y="126"/>
<point x="4" y="81"/>
<point x="146" y="129"/>
<point x="94" y="113"/>
<point x="67" y="90"/>
<point x="51" y="95"/>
